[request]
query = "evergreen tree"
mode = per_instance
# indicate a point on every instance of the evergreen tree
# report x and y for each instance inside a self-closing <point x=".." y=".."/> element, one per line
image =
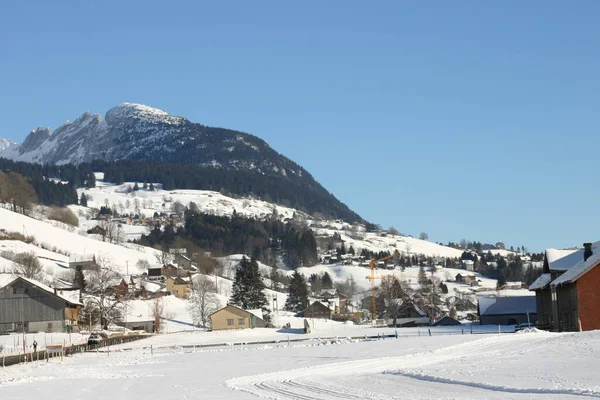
<point x="83" y="200"/>
<point x="326" y="282"/>
<point x="145" y="185"/>
<point x="79" y="279"/>
<point x="422" y="279"/>
<point x="248" y="287"/>
<point x="297" y="299"/>
<point x="151" y="186"/>
<point x="136" y="187"/>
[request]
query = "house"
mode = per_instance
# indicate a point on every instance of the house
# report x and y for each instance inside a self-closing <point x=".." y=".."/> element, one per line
<point x="179" y="287"/>
<point x="97" y="230"/>
<point x="409" y="315"/>
<point x="87" y="262"/>
<point x="31" y="306"/>
<point x="172" y="270"/>
<point x="469" y="265"/>
<point x="446" y="321"/>
<point x="336" y="301"/>
<point x="317" y="310"/>
<point x="506" y="310"/>
<point x="232" y="317"/>
<point x="155" y="274"/>
<point x="465" y="278"/>
<point x="566" y="293"/>
<point x="182" y="261"/>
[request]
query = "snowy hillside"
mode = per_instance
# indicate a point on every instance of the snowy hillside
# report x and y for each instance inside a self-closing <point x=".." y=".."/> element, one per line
<point x="146" y="202"/>
<point x="63" y="243"/>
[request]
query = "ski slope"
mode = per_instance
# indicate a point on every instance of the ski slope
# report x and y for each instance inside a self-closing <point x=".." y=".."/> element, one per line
<point x="533" y="365"/>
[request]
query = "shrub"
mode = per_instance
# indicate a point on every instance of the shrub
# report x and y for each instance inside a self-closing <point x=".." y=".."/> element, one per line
<point x="64" y="215"/>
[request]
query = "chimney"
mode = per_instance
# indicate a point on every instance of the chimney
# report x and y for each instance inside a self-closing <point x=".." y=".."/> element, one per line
<point x="587" y="251"/>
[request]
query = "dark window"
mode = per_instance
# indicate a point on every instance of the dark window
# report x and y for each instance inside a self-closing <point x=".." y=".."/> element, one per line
<point x="14" y="290"/>
<point x="26" y="291"/>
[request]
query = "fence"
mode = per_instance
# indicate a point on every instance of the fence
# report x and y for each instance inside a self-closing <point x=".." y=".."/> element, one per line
<point x="51" y="352"/>
<point x="389" y="334"/>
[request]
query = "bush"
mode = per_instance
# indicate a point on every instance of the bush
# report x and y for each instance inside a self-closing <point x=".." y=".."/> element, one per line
<point x="64" y="215"/>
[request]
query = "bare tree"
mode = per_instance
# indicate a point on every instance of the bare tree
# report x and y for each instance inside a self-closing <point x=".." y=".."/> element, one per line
<point x="393" y="231"/>
<point x="142" y="265"/>
<point x="423" y="236"/>
<point x="28" y="266"/>
<point x="111" y="230"/>
<point x="16" y="190"/>
<point x="164" y="257"/>
<point x="101" y="294"/>
<point x="203" y="299"/>
<point x="395" y="296"/>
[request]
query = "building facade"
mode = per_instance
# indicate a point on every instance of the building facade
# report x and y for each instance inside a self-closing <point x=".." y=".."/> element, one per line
<point x="30" y="306"/>
<point x="232" y="317"/>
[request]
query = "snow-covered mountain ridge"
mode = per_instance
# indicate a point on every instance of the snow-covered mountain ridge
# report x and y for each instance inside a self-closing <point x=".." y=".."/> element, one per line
<point x="5" y="144"/>
<point x="136" y="132"/>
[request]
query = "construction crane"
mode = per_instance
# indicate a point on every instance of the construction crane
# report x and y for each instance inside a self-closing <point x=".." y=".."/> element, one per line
<point x="372" y="266"/>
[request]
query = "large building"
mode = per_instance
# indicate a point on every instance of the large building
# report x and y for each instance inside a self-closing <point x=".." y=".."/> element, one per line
<point x="30" y="306"/>
<point x="567" y="294"/>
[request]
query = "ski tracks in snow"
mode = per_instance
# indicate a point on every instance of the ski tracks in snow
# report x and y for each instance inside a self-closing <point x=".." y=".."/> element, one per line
<point x="400" y="377"/>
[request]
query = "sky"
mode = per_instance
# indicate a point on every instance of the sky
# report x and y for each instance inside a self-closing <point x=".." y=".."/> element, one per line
<point x="464" y="119"/>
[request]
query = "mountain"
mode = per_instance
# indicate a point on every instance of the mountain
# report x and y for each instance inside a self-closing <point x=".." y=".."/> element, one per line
<point x="242" y="163"/>
<point x="5" y="144"/>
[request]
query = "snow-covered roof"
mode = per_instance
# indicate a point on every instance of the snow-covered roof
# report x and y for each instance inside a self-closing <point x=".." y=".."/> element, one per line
<point x="68" y="298"/>
<point x="541" y="282"/>
<point x="579" y="269"/>
<point x="489" y="305"/>
<point x="257" y="313"/>
<point x="562" y="260"/>
<point x="5" y="279"/>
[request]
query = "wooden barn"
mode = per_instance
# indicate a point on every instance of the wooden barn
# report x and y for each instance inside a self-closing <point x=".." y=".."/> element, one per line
<point x="31" y="306"/>
<point x="317" y="310"/>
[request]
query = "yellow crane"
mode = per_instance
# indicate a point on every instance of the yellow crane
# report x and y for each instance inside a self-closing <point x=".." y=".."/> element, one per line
<point x="372" y="266"/>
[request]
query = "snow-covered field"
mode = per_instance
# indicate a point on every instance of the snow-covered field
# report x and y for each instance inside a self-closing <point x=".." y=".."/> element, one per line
<point x="534" y="365"/>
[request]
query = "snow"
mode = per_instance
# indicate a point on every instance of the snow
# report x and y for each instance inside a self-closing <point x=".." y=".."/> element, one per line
<point x="562" y="260"/>
<point x="580" y="268"/>
<point x="5" y="144"/>
<point x="516" y="366"/>
<point x="125" y="111"/>
<point x="72" y="243"/>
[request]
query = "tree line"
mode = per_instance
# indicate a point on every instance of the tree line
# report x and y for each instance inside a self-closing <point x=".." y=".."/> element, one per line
<point x="268" y="241"/>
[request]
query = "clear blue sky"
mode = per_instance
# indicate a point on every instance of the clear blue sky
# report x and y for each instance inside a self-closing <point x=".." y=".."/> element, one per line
<point x="463" y="119"/>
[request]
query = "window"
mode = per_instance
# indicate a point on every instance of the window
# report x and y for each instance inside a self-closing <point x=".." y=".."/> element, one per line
<point x="230" y="322"/>
<point x="241" y="321"/>
<point x="14" y="290"/>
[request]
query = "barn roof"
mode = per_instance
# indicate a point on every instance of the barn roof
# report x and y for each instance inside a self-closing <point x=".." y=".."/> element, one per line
<point x="506" y="305"/>
<point x="45" y="288"/>
<point x="579" y="269"/>
<point x="541" y="282"/>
